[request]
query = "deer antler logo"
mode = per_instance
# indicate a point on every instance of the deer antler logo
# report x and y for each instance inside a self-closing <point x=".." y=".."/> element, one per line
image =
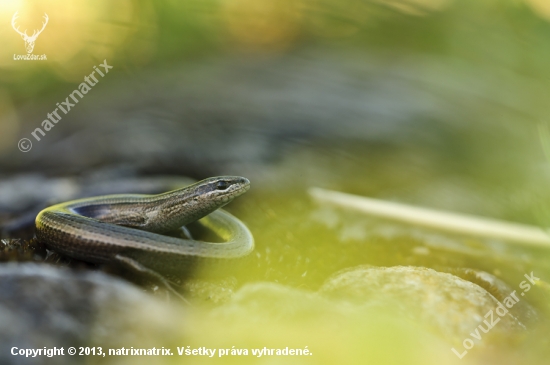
<point x="29" y="40"/>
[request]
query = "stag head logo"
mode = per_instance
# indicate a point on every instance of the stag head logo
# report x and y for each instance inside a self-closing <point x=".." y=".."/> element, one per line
<point x="29" y="40"/>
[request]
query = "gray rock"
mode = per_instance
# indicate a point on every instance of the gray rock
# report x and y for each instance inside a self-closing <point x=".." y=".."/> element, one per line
<point x="43" y="306"/>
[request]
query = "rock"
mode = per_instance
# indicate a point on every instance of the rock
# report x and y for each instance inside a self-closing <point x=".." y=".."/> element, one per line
<point x="524" y="311"/>
<point x="448" y="305"/>
<point x="43" y="306"/>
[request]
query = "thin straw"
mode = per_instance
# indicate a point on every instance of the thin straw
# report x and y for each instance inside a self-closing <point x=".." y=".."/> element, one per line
<point x="447" y="221"/>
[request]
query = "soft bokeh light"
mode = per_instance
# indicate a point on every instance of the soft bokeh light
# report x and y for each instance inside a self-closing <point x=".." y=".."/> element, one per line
<point x="540" y="7"/>
<point x="416" y="7"/>
<point x="79" y="33"/>
<point x="263" y="23"/>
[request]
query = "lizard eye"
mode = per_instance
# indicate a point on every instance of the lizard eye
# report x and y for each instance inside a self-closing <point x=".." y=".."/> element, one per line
<point x="222" y="185"/>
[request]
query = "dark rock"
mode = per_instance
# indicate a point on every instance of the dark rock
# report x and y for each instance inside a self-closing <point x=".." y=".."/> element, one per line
<point x="43" y="306"/>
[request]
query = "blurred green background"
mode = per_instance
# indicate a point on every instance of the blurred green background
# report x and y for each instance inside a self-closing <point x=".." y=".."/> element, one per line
<point x="509" y="34"/>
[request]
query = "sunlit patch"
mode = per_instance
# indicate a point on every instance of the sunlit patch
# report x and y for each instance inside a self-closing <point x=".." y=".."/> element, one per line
<point x="540" y="7"/>
<point x="416" y="7"/>
<point x="263" y="23"/>
<point x="80" y="33"/>
<point x="27" y="20"/>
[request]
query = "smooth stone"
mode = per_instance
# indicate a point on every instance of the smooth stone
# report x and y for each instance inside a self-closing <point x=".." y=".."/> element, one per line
<point x="44" y="306"/>
<point x="446" y="304"/>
